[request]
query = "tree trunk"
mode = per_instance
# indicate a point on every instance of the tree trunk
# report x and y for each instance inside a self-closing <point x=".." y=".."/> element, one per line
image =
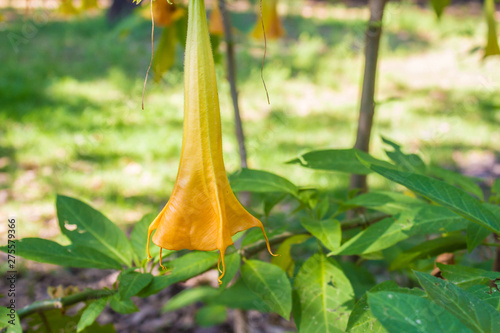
<point x="367" y="106"/>
<point x="231" y="76"/>
<point x="119" y="9"/>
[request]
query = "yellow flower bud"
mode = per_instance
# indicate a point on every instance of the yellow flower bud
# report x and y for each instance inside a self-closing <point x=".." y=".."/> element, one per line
<point x="272" y="23"/>
<point x="202" y="212"/>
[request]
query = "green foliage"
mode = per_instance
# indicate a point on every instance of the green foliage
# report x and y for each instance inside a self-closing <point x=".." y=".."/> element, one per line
<point x="474" y="313"/>
<point x="324" y="293"/>
<point x="322" y="287"/>
<point x="270" y="283"/>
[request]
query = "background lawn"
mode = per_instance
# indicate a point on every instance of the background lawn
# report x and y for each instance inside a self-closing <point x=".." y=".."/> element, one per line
<point x="71" y="121"/>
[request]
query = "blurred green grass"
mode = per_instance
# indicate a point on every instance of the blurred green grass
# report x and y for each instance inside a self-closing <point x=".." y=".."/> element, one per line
<point x="71" y="121"/>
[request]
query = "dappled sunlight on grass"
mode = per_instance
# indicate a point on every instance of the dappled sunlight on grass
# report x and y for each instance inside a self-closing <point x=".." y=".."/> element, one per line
<point x="71" y="120"/>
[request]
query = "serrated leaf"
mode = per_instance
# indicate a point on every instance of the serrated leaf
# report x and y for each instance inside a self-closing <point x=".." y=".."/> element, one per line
<point x="428" y="249"/>
<point x="181" y="269"/>
<point x="407" y="313"/>
<point x="85" y="226"/>
<point x="325" y="296"/>
<point x="188" y="297"/>
<point x="131" y="283"/>
<point x="474" y="313"/>
<point x="327" y="231"/>
<point x="46" y="251"/>
<point x="442" y="193"/>
<point x="270" y="283"/>
<point x="91" y="313"/>
<point x="261" y="182"/>
<point x="341" y="160"/>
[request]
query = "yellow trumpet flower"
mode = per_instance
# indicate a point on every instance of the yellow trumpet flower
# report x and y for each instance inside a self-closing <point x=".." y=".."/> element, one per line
<point x="166" y="13"/>
<point x="202" y="212"/>
<point x="67" y="8"/>
<point x="89" y="4"/>
<point x="272" y="23"/>
<point x="216" y="25"/>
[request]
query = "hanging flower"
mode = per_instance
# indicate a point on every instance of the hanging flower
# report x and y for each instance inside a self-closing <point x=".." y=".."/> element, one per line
<point x="67" y="8"/>
<point x="89" y="4"/>
<point x="216" y="24"/>
<point x="272" y="23"/>
<point x="492" y="47"/>
<point x="165" y="14"/>
<point x="202" y="212"/>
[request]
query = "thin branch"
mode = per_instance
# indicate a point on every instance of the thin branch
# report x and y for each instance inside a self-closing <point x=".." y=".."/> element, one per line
<point x="62" y="302"/>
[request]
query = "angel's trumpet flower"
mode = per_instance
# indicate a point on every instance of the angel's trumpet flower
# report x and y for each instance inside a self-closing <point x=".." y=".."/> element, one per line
<point x="67" y="8"/>
<point x="216" y="25"/>
<point x="272" y="23"/>
<point x="202" y="212"/>
<point x="89" y="4"/>
<point x="165" y="13"/>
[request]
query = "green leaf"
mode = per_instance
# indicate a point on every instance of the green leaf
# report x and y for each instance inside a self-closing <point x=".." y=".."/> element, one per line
<point x="428" y="249"/>
<point x="43" y="250"/>
<point x="361" y="279"/>
<point x="139" y="238"/>
<point x="85" y="226"/>
<point x="123" y="306"/>
<point x="327" y="231"/>
<point x="325" y="296"/>
<point x="342" y="160"/>
<point x="439" y="6"/>
<point x="188" y="297"/>
<point x="475" y="235"/>
<point x="245" y="299"/>
<point x="384" y="234"/>
<point x="376" y="237"/>
<point x="487" y="294"/>
<point x="457" y="179"/>
<point x="444" y="194"/>
<point x="211" y="315"/>
<point x="407" y="313"/>
<point x="465" y="277"/>
<point x="406" y="162"/>
<point x="10" y="320"/>
<point x="384" y="201"/>
<point x="131" y="283"/>
<point x="91" y="313"/>
<point x="233" y="261"/>
<point x="182" y="268"/>
<point x="261" y="182"/>
<point x="270" y="283"/>
<point x="362" y="319"/>
<point x="474" y="313"/>
<point x="284" y="260"/>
